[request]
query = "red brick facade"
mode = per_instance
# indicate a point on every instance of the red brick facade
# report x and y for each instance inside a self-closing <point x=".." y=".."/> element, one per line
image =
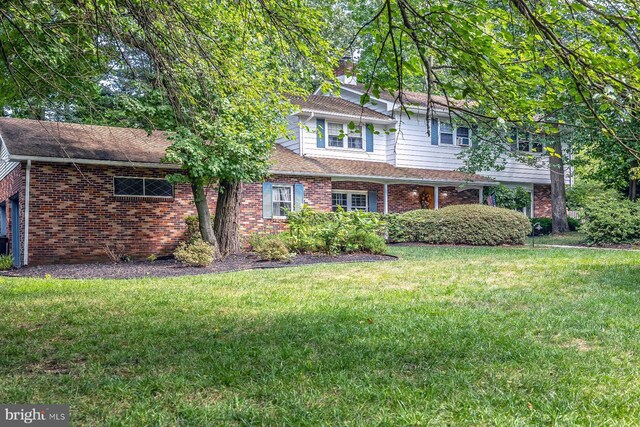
<point x="74" y="214"/>
<point x="542" y="201"/>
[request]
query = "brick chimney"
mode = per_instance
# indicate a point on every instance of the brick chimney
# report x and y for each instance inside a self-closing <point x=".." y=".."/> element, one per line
<point x="344" y="70"/>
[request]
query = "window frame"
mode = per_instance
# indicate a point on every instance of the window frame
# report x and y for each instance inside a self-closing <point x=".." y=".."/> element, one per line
<point x="144" y="187"/>
<point x="454" y="135"/>
<point x="273" y="192"/>
<point x="345" y="139"/>
<point x="350" y="193"/>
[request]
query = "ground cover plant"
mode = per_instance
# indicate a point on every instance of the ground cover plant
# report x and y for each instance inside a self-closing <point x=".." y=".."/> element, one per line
<point x="444" y="336"/>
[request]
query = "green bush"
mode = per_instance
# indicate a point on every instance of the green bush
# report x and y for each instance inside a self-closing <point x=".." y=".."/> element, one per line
<point x="193" y="228"/>
<point x="6" y="262"/>
<point x="335" y="232"/>
<point x="612" y="221"/>
<point x="463" y="225"/>
<point x="583" y="193"/>
<point x="196" y="253"/>
<point x="270" y="247"/>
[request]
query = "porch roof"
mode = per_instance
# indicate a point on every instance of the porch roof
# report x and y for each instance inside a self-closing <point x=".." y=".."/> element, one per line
<point x="287" y="162"/>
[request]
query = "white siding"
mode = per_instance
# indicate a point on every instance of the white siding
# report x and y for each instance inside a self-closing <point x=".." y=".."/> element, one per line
<point x="5" y="165"/>
<point x="292" y="142"/>
<point x="415" y="150"/>
<point x="310" y="148"/>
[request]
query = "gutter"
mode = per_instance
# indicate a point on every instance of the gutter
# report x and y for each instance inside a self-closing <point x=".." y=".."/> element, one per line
<point x="388" y="179"/>
<point x="21" y="158"/>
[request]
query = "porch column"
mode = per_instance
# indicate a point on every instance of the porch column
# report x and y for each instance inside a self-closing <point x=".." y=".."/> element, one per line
<point x="481" y="191"/>
<point x="385" y="193"/>
<point x="436" y="197"/>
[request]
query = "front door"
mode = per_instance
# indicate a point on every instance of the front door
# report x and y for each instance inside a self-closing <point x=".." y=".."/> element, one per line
<point x="15" y="230"/>
<point x="426" y="196"/>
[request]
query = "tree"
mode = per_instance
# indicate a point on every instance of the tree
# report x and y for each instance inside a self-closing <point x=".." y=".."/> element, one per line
<point x="526" y="64"/>
<point x="211" y="74"/>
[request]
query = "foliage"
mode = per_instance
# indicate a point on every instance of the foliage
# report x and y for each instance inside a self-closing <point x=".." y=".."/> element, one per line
<point x="509" y="198"/>
<point x="335" y="232"/>
<point x="463" y="225"/>
<point x="152" y="258"/>
<point x="585" y="192"/>
<point x="270" y="247"/>
<point x="116" y="252"/>
<point x="612" y="221"/>
<point x="197" y="253"/>
<point x="6" y="262"/>
<point x="546" y="225"/>
<point x="193" y="228"/>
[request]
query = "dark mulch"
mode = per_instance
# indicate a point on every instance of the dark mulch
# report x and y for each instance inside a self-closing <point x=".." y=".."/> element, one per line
<point x="170" y="267"/>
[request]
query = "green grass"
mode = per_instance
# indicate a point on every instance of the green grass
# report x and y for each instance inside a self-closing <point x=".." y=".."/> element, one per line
<point x="445" y="336"/>
<point x="573" y="238"/>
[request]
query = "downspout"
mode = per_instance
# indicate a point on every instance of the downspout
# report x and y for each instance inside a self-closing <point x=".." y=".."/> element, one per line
<point x="436" y="196"/>
<point x="386" y="198"/>
<point x="26" y="212"/>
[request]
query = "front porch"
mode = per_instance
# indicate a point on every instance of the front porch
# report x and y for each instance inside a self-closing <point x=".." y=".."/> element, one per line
<point x="398" y="197"/>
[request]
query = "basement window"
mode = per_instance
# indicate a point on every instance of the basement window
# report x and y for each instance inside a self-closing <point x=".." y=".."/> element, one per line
<point x="142" y="187"/>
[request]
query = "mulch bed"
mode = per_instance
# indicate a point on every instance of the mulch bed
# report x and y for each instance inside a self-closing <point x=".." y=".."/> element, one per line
<point x="170" y="267"/>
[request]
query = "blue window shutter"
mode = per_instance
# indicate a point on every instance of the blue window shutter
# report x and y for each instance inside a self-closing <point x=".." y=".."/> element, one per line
<point x="373" y="201"/>
<point x="434" y="132"/>
<point x="267" y="200"/>
<point x="369" y="138"/>
<point x="320" y="132"/>
<point x="298" y="196"/>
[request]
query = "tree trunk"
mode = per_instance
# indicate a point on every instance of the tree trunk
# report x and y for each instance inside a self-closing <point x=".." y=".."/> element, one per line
<point x="559" y="223"/>
<point x="633" y="182"/>
<point x="225" y="223"/>
<point x="204" y="218"/>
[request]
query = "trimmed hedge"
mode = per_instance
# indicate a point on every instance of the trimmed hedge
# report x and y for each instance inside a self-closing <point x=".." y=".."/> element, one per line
<point x="460" y="225"/>
<point x="612" y="221"/>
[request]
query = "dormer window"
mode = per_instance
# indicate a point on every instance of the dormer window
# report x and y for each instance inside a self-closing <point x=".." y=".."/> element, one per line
<point x="335" y="135"/>
<point x="355" y="138"/>
<point x="338" y="135"/>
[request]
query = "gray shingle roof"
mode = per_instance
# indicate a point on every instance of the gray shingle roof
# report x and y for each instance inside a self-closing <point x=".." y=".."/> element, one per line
<point x="339" y="106"/>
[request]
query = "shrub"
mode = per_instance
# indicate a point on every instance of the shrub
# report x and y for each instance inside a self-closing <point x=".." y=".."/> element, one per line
<point x="465" y="225"/>
<point x="516" y="199"/>
<point x="196" y="253"/>
<point x="193" y="228"/>
<point x="612" y="221"/>
<point x="6" y="262"/>
<point x="584" y="193"/>
<point x="335" y="232"/>
<point x="270" y="247"/>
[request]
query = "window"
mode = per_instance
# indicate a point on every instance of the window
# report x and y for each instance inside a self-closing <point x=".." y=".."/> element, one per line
<point x="463" y="136"/>
<point x="282" y="200"/>
<point x="142" y="187"/>
<point x="349" y="200"/>
<point x="335" y="135"/>
<point x="449" y="135"/>
<point x="446" y="133"/>
<point x="355" y="138"/>
<point x="524" y="143"/>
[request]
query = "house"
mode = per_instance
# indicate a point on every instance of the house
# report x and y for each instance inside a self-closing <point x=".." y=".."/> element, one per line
<point x="69" y="191"/>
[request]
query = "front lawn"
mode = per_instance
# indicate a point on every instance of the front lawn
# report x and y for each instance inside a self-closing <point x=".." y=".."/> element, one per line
<point x="445" y="336"/>
<point x="573" y="238"/>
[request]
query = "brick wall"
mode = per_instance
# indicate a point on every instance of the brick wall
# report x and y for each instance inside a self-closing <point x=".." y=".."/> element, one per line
<point x="11" y="185"/>
<point x="542" y="201"/>
<point x="451" y="196"/>
<point x="73" y="213"/>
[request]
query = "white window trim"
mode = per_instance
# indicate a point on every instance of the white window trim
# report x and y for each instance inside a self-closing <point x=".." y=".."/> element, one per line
<point x="290" y="187"/>
<point x="345" y="139"/>
<point x="349" y="193"/>
<point x="144" y="188"/>
<point x="454" y="135"/>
